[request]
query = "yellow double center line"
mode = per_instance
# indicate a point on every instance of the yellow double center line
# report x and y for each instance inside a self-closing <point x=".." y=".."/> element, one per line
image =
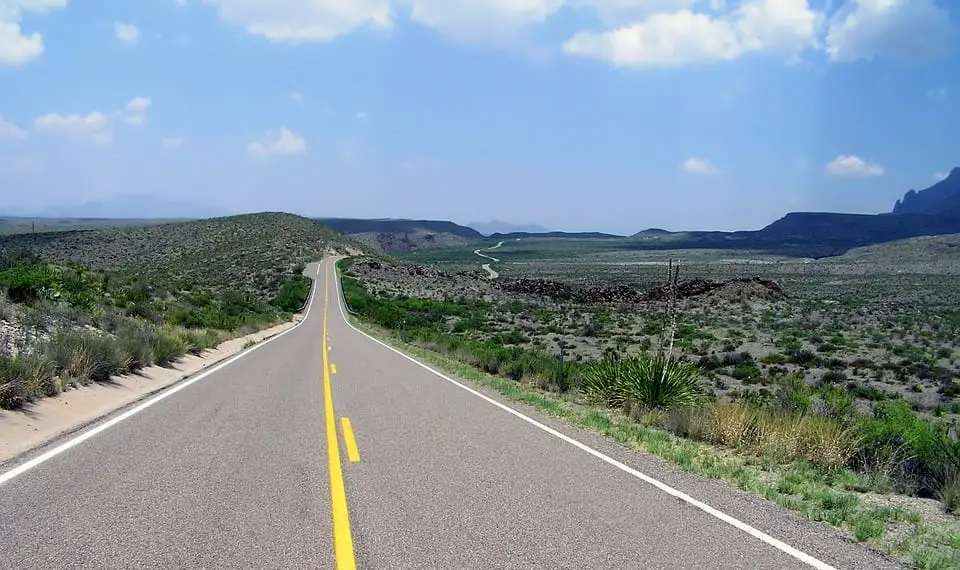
<point x="342" y="537"/>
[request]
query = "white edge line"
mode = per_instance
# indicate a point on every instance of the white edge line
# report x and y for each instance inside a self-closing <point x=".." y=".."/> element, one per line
<point x="48" y="455"/>
<point x="756" y="533"/>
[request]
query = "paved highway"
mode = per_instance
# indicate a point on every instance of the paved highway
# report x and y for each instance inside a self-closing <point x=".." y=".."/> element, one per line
<point x="322" y="448"/>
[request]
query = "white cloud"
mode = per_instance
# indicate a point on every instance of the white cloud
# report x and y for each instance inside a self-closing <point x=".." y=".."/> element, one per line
<point x="660" y="40"/>
<point x="670" y="39"/>
<point x="487" y="21"/>
<point x="287" y="142"/>
<point x="938" y="176"/>
<point x="96" y="126"/>
<point x="699" y="166"/>
<point x="172" y="143"/>
<point x="135" y="112"/>
<point x="638" y="32"/>
<point x="138" y="104"/>
<point x="126" y="33"/>
<point x="9" y="130"/>
<point x="852" y="166"/>
<point x="16" y="46"/>
<point x="294" y="21"/>
<point x="296" y="96"/>
<point x="898" y="29"/>
<point x="362" y="116"/>
<point x="93" y="126"/>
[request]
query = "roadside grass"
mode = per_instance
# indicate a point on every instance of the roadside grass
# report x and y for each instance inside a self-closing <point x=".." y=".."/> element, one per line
<point x="798" y="453"/>
<point x="67" y="325"/>
<point x="812" y="491"/>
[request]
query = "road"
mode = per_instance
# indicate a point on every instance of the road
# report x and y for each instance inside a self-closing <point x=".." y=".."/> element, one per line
<point x="491" y="273"/>
<point x="295" y="455"/>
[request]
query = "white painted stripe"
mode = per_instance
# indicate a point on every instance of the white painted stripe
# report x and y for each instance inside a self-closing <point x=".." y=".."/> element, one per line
<point x="756" y="533"/>
<point x="43" y="458"/>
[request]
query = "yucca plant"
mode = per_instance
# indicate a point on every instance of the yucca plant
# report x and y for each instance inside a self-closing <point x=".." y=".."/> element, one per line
<point x="660" y="382"/>
<point x="645" y="383"/>
<point x="602" y="382"/>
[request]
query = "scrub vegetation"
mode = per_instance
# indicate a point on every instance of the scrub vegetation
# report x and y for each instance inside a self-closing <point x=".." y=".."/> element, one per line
<point x="82" y="306"/>
<point x="831" y="389"/>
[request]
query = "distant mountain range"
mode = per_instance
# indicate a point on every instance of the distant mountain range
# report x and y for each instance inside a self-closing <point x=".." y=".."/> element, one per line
<point x="497" y="227"/>
<point x="941" y="200"/>
<point x="932" y="211"/>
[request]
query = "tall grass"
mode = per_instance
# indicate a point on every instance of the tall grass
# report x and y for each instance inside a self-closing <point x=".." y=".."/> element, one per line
<point x="79" y="357"/>
<point x="25" y="378"/>
<point x="780" y="436"/>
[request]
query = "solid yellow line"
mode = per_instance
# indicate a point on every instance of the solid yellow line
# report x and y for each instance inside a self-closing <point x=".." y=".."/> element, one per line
<point x="333" y="369"/>
<point x="353" y="454"/>
<point x="342" y="537"/>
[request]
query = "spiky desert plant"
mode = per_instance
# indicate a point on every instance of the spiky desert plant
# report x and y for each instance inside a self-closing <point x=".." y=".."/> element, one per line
<point x="660" y="382"/>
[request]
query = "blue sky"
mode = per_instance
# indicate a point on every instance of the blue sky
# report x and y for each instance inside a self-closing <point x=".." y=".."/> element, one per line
<point x="612" y="115"/>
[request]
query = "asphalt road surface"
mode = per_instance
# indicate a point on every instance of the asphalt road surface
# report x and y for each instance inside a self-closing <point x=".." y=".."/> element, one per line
<point x="292" y="456"/>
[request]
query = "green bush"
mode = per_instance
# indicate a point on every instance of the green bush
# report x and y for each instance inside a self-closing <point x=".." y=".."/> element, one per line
<point x="136" y="340"/>
<point x="293" y="293"/>
<point x="85" y="356"/>
<point x="28" y="283"/>
<point x="198" y="340"/>
<point x="167" y="346"/>
<point x="924" y="457"/>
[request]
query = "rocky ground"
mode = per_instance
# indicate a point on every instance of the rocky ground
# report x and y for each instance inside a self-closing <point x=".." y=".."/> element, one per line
<point x="879" y="336"/>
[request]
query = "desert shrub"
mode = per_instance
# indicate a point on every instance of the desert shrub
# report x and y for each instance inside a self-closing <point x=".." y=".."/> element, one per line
<point x="746" y="372"/>
<point x="293" y="293"/>
<point x="792" y="395"/>
<point x="24" y="379"/>
<point x="805" y="357"/>
<point x="688" y="422"/>
<point x="25" y="283"/>
<point x="928" y="457"/>
<point x="834" y="402"/>
<point x="774" y="358"/>
<point x="832" y="377"/>
<point x="167" y="346"/>
<point x="198" y="340"/>
<point x="86" y="356"/>
<point x="136" y="340"/>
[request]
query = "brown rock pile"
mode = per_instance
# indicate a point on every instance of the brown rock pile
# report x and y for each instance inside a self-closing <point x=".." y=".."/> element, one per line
<point x="541" y="287"/>
<point x="743" y="288"/>
<point x="734" y="289"/>
<point x="616" y="294"/>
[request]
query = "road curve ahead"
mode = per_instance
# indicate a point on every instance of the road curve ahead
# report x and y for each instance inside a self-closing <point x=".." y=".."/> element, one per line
<point x="323" y="448"/>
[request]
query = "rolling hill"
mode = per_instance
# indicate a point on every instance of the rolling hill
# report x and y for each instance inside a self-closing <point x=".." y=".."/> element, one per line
<point x="249" y="253"/>
<point x="399" y="235"/>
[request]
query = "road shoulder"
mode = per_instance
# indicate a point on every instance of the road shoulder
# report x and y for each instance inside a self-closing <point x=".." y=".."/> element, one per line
<point x="22" y="431"/>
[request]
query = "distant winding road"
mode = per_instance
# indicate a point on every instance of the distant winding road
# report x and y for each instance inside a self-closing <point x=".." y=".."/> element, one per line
<point x="492" y="273"/>
<point x="251" y="465"/>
